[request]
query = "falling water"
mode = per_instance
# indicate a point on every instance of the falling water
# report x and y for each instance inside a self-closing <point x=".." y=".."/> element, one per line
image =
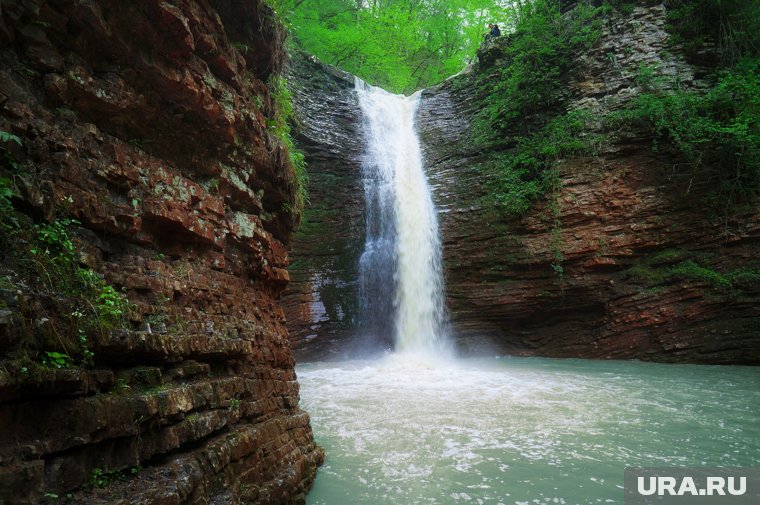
<point x="401" y="279"/>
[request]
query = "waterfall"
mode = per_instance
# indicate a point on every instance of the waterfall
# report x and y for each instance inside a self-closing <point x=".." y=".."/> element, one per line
<point x="400" y="269"/>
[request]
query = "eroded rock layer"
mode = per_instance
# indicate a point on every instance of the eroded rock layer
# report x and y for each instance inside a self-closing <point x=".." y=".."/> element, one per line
<point x="322" y="297"/>
<point x="147" y="123"/>
<point x="622" y="222"/>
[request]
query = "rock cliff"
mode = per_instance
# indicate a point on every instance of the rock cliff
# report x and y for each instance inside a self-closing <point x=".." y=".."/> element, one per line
<point x="625" y="223"/>
<point x="143" y="134"/>
<point x="321" y="299"/>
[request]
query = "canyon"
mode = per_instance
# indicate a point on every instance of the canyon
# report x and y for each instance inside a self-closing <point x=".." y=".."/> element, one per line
<point x="625" y="221"/>
<point x="143" y="153"/>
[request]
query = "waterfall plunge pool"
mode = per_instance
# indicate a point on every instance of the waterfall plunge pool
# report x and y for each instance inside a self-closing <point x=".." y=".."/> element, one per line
<point x="519" y="430"/>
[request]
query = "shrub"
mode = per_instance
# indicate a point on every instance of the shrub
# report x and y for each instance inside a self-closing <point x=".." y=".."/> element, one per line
<point x="689" y="270"/>
<point x="716" y="132"/>
<point x="518" y="97"/>
<point x="280" y="125"/>
<point x="538" y="56"/>
<point x="6" y="139"/>
<point x="524" y="175"/>
<point x="75" y="302"/>
<point x="731" y="24"/>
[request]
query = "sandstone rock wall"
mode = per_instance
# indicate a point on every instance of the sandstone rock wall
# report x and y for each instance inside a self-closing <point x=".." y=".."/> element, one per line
<point x="147" y="123"/>
<point x="321" y="299"/>
<point x="624" y="221"/>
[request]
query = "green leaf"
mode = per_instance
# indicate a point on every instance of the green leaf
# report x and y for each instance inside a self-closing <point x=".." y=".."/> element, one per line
<point x="6" y="137"/>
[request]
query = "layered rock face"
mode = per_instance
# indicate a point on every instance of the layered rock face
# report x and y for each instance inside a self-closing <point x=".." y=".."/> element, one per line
<point x="146" y="122"/>
<point x="624" y="222"/>
<point x="321" y="299"/>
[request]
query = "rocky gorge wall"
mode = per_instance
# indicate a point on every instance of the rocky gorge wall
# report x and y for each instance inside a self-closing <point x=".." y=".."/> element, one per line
<point x="143" y="129"/>
<point x="625" y="223"/>
<point x="321" y="300"/>
<point x="622" y="221"/>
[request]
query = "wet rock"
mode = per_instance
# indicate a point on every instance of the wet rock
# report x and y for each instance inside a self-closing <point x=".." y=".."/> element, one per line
<point x="159" y="148"/>
<point x="321" y="300"/>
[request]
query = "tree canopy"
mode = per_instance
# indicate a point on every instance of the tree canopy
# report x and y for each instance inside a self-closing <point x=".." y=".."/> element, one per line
<point x="401" y="45"/>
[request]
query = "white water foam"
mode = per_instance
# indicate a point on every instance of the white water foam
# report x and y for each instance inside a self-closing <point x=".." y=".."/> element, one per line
<point x="519" y="430"/>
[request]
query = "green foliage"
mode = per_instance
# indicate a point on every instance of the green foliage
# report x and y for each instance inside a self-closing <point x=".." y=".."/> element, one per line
<point x="717" y="132"/>
<point x="8" y="220"/>
<point x="7" y="138"/>
<point x="649" y="77"/>
<point x="401" y="45"/>
<point x="524" y="175"/>
<point x="734" y="25"/>
<point x="109" y="304"/>
<point x="121" y="386"/>
<point x="99" y="306"/>
<point x="746" y="279"/>
<point x="99" y="478"/>
<point x="691" y="271"/>
<point x="58" y="360"/>
<point x="80" y="303"/>
<point x="88" y="357"/>
<point x="242" y="47"/>
<point x="538" y="57"/>
<point x="513" y="100"/>
<point x="280" y="125"/>
<point x="672" y="265"/>
<point x="138" y="143"/>
<point x="668" y="256"/>
<point x="6" y="191"/>
<point x="622" y="6"/>
<point x="54" y="241"/>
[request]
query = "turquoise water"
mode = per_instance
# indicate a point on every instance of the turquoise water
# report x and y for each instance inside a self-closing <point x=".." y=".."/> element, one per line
<point x="525" y="431"/>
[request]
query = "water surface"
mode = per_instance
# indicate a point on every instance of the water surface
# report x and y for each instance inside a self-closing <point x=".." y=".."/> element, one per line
<point x="519" y="430"/>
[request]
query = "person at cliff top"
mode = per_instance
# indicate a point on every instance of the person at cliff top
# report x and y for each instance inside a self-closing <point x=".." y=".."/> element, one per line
<point x="495" y="32"/>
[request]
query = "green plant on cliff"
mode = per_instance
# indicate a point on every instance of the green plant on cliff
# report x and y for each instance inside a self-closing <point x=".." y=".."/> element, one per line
<point x="672" y="265"/>
<point x="732" y="25"/>
<point x="281" y="126"/>
<point x="716" y="132"/>
<point x="55" y="359"/>
<point x="68" y="304"/>
<point x="517" y="97"/>
<point x="8" y="220"/>
<point x="100" y="478"/>
<point x="536" y="58"/>
<point x="56" y="262"/>
<point x="528" y="172"/>
<point x="689" y="270"/>
<point x="6" y="140"/>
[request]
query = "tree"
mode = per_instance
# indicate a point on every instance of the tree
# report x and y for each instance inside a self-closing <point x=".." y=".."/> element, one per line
<point x="401" y="45"/>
